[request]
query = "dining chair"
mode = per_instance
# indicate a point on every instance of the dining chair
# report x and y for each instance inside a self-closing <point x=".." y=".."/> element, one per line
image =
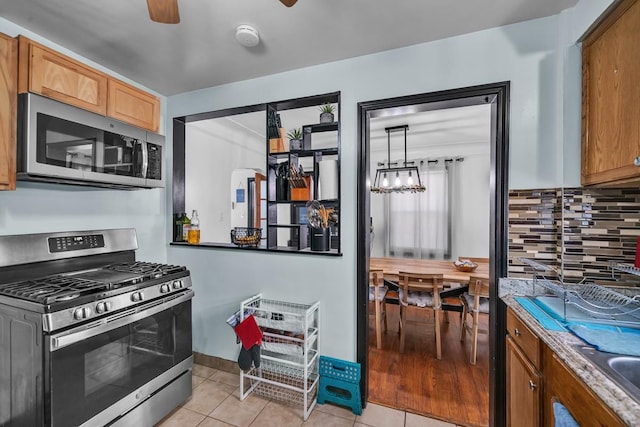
<point x="474" y="302"/>
<point x="472" y="259"/>
<point x="420" y="291"/>
<point x="377" y="294"/>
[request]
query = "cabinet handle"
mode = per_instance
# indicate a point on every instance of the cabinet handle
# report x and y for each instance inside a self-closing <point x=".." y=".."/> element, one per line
<point x="532" y="385"/>
<point x="636" y="161"/>
<point x="516" y="331"/>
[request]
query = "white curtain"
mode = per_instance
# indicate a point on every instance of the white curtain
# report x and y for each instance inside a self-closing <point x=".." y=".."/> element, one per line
<point x="420" y="223"/>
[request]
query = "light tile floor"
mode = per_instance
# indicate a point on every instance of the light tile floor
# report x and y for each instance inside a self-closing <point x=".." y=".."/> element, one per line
<point x="215" y="402"/>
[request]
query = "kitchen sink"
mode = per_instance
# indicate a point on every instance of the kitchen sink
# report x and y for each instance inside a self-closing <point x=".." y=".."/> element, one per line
<point x="622" y="369"/>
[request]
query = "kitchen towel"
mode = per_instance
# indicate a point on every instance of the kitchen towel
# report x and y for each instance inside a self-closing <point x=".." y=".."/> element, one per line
<point x="328" y="179"/>
<point x="562" y="416"/>
<point x="249" y="332"/>
<point x="540" y="315"/>
<point x="611" y="339"/>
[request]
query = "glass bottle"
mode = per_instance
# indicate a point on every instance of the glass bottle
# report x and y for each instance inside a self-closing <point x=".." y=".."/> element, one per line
<point x="177" y="227"/>
<point x="186" y="222"/>
<point x="194" y="229"/>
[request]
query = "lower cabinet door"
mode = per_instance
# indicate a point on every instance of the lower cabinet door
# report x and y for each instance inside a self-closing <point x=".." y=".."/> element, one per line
<point x="524" y="389"/>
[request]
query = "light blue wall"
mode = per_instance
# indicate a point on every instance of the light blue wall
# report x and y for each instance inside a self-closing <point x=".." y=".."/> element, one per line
<point x="531" y="55"/>
<point x="36" y="208"/>
<point x="538" y="58"/>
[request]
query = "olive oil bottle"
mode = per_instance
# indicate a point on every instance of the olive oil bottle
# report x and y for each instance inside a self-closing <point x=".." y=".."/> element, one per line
<point x="194" y="229"/>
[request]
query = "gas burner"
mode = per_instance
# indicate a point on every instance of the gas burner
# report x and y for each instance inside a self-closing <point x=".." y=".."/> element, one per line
<point x="149" y="270"/>
<point x="67" y="297"/>
<point x="51" y="289"/>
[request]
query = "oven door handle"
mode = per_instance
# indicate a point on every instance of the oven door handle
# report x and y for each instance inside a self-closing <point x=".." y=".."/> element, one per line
<point x="109" y="323"/>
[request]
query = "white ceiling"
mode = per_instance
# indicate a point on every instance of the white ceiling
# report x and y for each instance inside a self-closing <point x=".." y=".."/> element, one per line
<point x="201" y="50"/>
<point x="434" y="128"/>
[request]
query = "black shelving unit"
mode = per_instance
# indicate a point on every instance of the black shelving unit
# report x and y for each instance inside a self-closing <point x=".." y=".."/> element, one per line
<point x="286" y="210"/>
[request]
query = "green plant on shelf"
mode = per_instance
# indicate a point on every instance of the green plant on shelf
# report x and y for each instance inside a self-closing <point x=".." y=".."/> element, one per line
<point x="327" y="108"/>
<point x="295" y="134"/>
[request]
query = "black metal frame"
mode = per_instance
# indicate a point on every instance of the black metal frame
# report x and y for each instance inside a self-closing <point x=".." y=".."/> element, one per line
<point x="497" y="95"/>
<point x="178" y="193"/>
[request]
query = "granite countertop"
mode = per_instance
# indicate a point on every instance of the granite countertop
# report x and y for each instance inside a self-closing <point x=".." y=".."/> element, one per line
<point x="562" y="343"/>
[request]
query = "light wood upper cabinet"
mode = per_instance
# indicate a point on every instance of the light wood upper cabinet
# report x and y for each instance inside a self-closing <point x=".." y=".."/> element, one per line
<point x="131" y="105"/>
<point x="51" y="74"/>
<point x="8" y="107"/>
<point x="611" y="98"/>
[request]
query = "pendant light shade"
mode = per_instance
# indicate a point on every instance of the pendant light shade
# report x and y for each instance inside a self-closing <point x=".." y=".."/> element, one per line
<point x="406" y="171"/>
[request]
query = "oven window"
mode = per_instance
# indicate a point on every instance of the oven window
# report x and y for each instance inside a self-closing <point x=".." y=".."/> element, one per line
<point x="91" y="375"/>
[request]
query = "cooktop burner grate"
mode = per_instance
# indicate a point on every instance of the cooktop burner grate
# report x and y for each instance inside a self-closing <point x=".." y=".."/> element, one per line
<point x="148" y="269"/>
<point x="51" y="289"/>
<point x="69" y="286"/>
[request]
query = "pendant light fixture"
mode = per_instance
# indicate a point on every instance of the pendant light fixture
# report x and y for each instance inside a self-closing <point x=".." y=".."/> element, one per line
<point x="409" y="171"/>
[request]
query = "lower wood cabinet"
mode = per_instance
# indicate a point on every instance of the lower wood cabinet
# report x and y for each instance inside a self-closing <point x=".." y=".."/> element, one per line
<point x="524" y="389"/>
<point x="561" y="385"/>
<point x="8" y="101"/>
<point x="537" y="378"/>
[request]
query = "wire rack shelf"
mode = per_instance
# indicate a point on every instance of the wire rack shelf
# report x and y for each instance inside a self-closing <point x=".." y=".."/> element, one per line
<point x="289" y="365"/>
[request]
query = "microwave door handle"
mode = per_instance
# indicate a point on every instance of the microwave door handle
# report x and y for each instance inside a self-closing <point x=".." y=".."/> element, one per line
<point x="145" y="158"/>
<point x="67" y="338"/>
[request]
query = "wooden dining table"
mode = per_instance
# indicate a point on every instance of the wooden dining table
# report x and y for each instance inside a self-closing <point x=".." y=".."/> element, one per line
<point x="455" y="281"/>
<point x="391" y="267"/>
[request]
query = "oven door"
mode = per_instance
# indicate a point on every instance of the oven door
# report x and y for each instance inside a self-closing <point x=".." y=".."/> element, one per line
<point x="110" y="366"/>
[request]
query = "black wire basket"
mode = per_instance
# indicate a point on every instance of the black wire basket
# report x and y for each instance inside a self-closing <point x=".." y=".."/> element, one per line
<point x="246" y="236"/>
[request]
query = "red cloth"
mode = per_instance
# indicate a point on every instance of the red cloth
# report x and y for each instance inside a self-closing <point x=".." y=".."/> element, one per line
<point x="249" y="332"/>
<point x="637" y="262"/>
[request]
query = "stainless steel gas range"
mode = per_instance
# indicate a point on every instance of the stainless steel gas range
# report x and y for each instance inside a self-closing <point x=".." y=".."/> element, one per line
<point x="88" y="335"/>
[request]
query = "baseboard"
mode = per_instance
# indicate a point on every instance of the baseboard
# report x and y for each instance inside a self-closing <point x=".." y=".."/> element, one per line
<point x="216" y="362"/>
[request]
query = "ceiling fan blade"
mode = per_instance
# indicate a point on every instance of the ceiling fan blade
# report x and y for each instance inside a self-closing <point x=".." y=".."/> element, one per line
<point x="288" y="3"/>
<point x="164" y="11"/>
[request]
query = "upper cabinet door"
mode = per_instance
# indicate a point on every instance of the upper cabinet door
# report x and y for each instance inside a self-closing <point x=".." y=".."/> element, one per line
<point x="65" y="79"/>
<point x="134" y="106"/>
<point x="610" y="98"/>
<point x="8" y="100"/>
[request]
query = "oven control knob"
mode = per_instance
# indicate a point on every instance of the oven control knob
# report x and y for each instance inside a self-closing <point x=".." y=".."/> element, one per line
<point x="164" y="288"/>
<point x="136" y="296"/>
<point x="177" y="284"/>
<point x="78" y="314"/>
<point x="103" y="307"/>
<point x="86" y="312"/>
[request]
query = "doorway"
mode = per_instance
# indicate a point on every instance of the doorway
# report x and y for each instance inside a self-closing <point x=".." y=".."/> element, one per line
<point x="497" y="97"/>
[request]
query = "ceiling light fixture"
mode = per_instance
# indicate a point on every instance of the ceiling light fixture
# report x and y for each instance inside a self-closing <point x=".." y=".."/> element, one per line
<point x="247" y="35"/>
<point x="407" y="168"/>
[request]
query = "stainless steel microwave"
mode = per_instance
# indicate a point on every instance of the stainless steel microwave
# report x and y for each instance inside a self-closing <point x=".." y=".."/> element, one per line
<point x="61" y="143"/>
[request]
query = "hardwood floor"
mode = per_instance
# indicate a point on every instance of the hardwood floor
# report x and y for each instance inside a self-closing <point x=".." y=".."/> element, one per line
<point x="449" y="389"/>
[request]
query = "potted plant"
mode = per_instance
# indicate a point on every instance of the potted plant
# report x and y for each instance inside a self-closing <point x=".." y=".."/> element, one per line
<point x="326" y="113"/>
<point x="295" y="139"/>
